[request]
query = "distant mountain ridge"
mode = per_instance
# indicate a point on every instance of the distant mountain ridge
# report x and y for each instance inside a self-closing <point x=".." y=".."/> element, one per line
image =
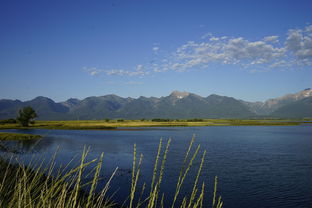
<point x="177" y="105"/>
<point x="271" y="105"/>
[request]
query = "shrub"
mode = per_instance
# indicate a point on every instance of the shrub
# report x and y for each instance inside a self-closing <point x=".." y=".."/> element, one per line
<point x="195" y="120"/>
<point x="161" y="120"/>
<point x="8" y="121"/>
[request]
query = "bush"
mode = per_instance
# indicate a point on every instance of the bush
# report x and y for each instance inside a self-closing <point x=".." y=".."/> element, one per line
<point x="161" y="120"/>
<point x="8" y="121"/>
<point x="195" y="120"/>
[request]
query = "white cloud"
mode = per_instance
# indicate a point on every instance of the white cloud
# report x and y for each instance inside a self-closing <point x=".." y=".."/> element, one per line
<point x="299" y="44"/>
<point x="92" y="71"/>
<point x="121" y="72"/>
<point x="308" y="29"/>
<point x="226" y="51"/>
<point x="207" y="35"/>
<point x="254" y="55"/>
<point x="139" y="67"/>
<point x="155" y="49"/>
<point x="257" y="52"/>
<point x="273" y="39"/>
<point x="266" y="52"/>
<point x="139" y="71"/>
<point x="214" y="39"/>
<point x="280" y="64"/>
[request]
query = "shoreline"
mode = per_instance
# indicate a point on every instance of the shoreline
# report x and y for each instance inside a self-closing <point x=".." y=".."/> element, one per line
<point x="115" y="125"/>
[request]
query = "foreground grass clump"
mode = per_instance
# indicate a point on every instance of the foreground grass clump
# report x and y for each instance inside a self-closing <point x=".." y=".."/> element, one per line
<point x="25" y="187"/>
<point x="18" y="136"/>
<point x="21" y="186"/>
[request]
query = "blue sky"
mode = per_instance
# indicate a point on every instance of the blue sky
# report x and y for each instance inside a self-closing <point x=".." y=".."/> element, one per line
<point x="252" y="50"/>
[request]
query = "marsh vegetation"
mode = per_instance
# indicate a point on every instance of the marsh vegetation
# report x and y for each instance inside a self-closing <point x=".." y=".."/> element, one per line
<point x="37" y="185"/>
<point x="108" y="124"/>
<point x="17" y="136"/>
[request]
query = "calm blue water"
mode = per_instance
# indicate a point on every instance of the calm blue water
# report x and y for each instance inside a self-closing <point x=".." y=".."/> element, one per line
<point x="264" y="166"/>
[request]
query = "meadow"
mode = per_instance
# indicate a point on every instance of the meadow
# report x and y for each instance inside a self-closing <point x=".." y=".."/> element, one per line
<point x="121" y="123"/>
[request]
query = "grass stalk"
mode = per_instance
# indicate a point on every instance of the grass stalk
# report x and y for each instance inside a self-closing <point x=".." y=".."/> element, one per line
<point x="34" y="186"/>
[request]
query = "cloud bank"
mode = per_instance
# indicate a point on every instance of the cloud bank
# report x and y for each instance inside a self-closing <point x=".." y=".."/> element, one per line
<point x="269" y="52"/>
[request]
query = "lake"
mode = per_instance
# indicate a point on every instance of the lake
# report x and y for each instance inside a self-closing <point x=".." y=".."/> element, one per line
<point x="257" y="166"/>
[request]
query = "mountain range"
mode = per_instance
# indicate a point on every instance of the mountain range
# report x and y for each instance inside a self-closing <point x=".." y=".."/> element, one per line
<point x="178" y="105"/>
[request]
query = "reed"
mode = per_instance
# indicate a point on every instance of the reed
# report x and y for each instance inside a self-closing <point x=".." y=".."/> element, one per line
<point x="47" y="186"/>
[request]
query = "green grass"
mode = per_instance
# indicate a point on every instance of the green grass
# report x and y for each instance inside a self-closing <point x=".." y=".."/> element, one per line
<point x="22" y="187"/>
<point x="115" y="124"/>
<point x="17" y="136"/>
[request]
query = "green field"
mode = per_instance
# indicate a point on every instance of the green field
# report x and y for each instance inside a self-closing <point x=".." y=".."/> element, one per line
<point x="117" y="124"/>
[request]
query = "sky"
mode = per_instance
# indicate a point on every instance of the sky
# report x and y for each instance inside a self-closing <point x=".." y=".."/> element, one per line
<point x="250" y="50"/>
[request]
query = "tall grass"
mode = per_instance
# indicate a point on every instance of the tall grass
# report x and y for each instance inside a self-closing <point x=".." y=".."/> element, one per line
<point x="22" y="187"/>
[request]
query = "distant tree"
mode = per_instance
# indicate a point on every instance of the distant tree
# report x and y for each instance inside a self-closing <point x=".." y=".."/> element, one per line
<point x="107" y="119"/>
<point x="26" y="116"/>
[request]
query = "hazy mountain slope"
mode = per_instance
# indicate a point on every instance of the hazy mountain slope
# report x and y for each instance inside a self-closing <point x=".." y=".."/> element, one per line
<point x="47" y="109"/>
<point x="299" y="109"/>
<point x="185" y="105"/>
<point x="177" y="105"/>
<point x="227" y="107"/>
<point x="97" y="107"/>
<point x="271" y="105"/>
<point x="9" y="108"/>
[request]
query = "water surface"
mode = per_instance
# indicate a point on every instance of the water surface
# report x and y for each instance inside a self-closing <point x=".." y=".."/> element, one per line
<point x="257" y="166"/>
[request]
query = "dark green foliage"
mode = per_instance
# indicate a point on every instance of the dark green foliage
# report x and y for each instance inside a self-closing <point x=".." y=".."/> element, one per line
<point x="26" y="116"/>
<point x="161" y="120"/>
<point x="8" y="121"/>
<point x="195" y="120"/>
<point x="106" y="119"/>
<point x="120" y="120"/>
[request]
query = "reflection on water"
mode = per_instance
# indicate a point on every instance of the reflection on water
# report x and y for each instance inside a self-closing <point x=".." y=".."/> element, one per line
<point x="25" y="146"/>
<point x="257" y="166"/>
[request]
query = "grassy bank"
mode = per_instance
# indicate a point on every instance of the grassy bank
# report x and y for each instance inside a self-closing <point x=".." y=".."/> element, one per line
<point x="17" y="136"/>
<point x="113" y="124"/>
<point x="38" y="187"/>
